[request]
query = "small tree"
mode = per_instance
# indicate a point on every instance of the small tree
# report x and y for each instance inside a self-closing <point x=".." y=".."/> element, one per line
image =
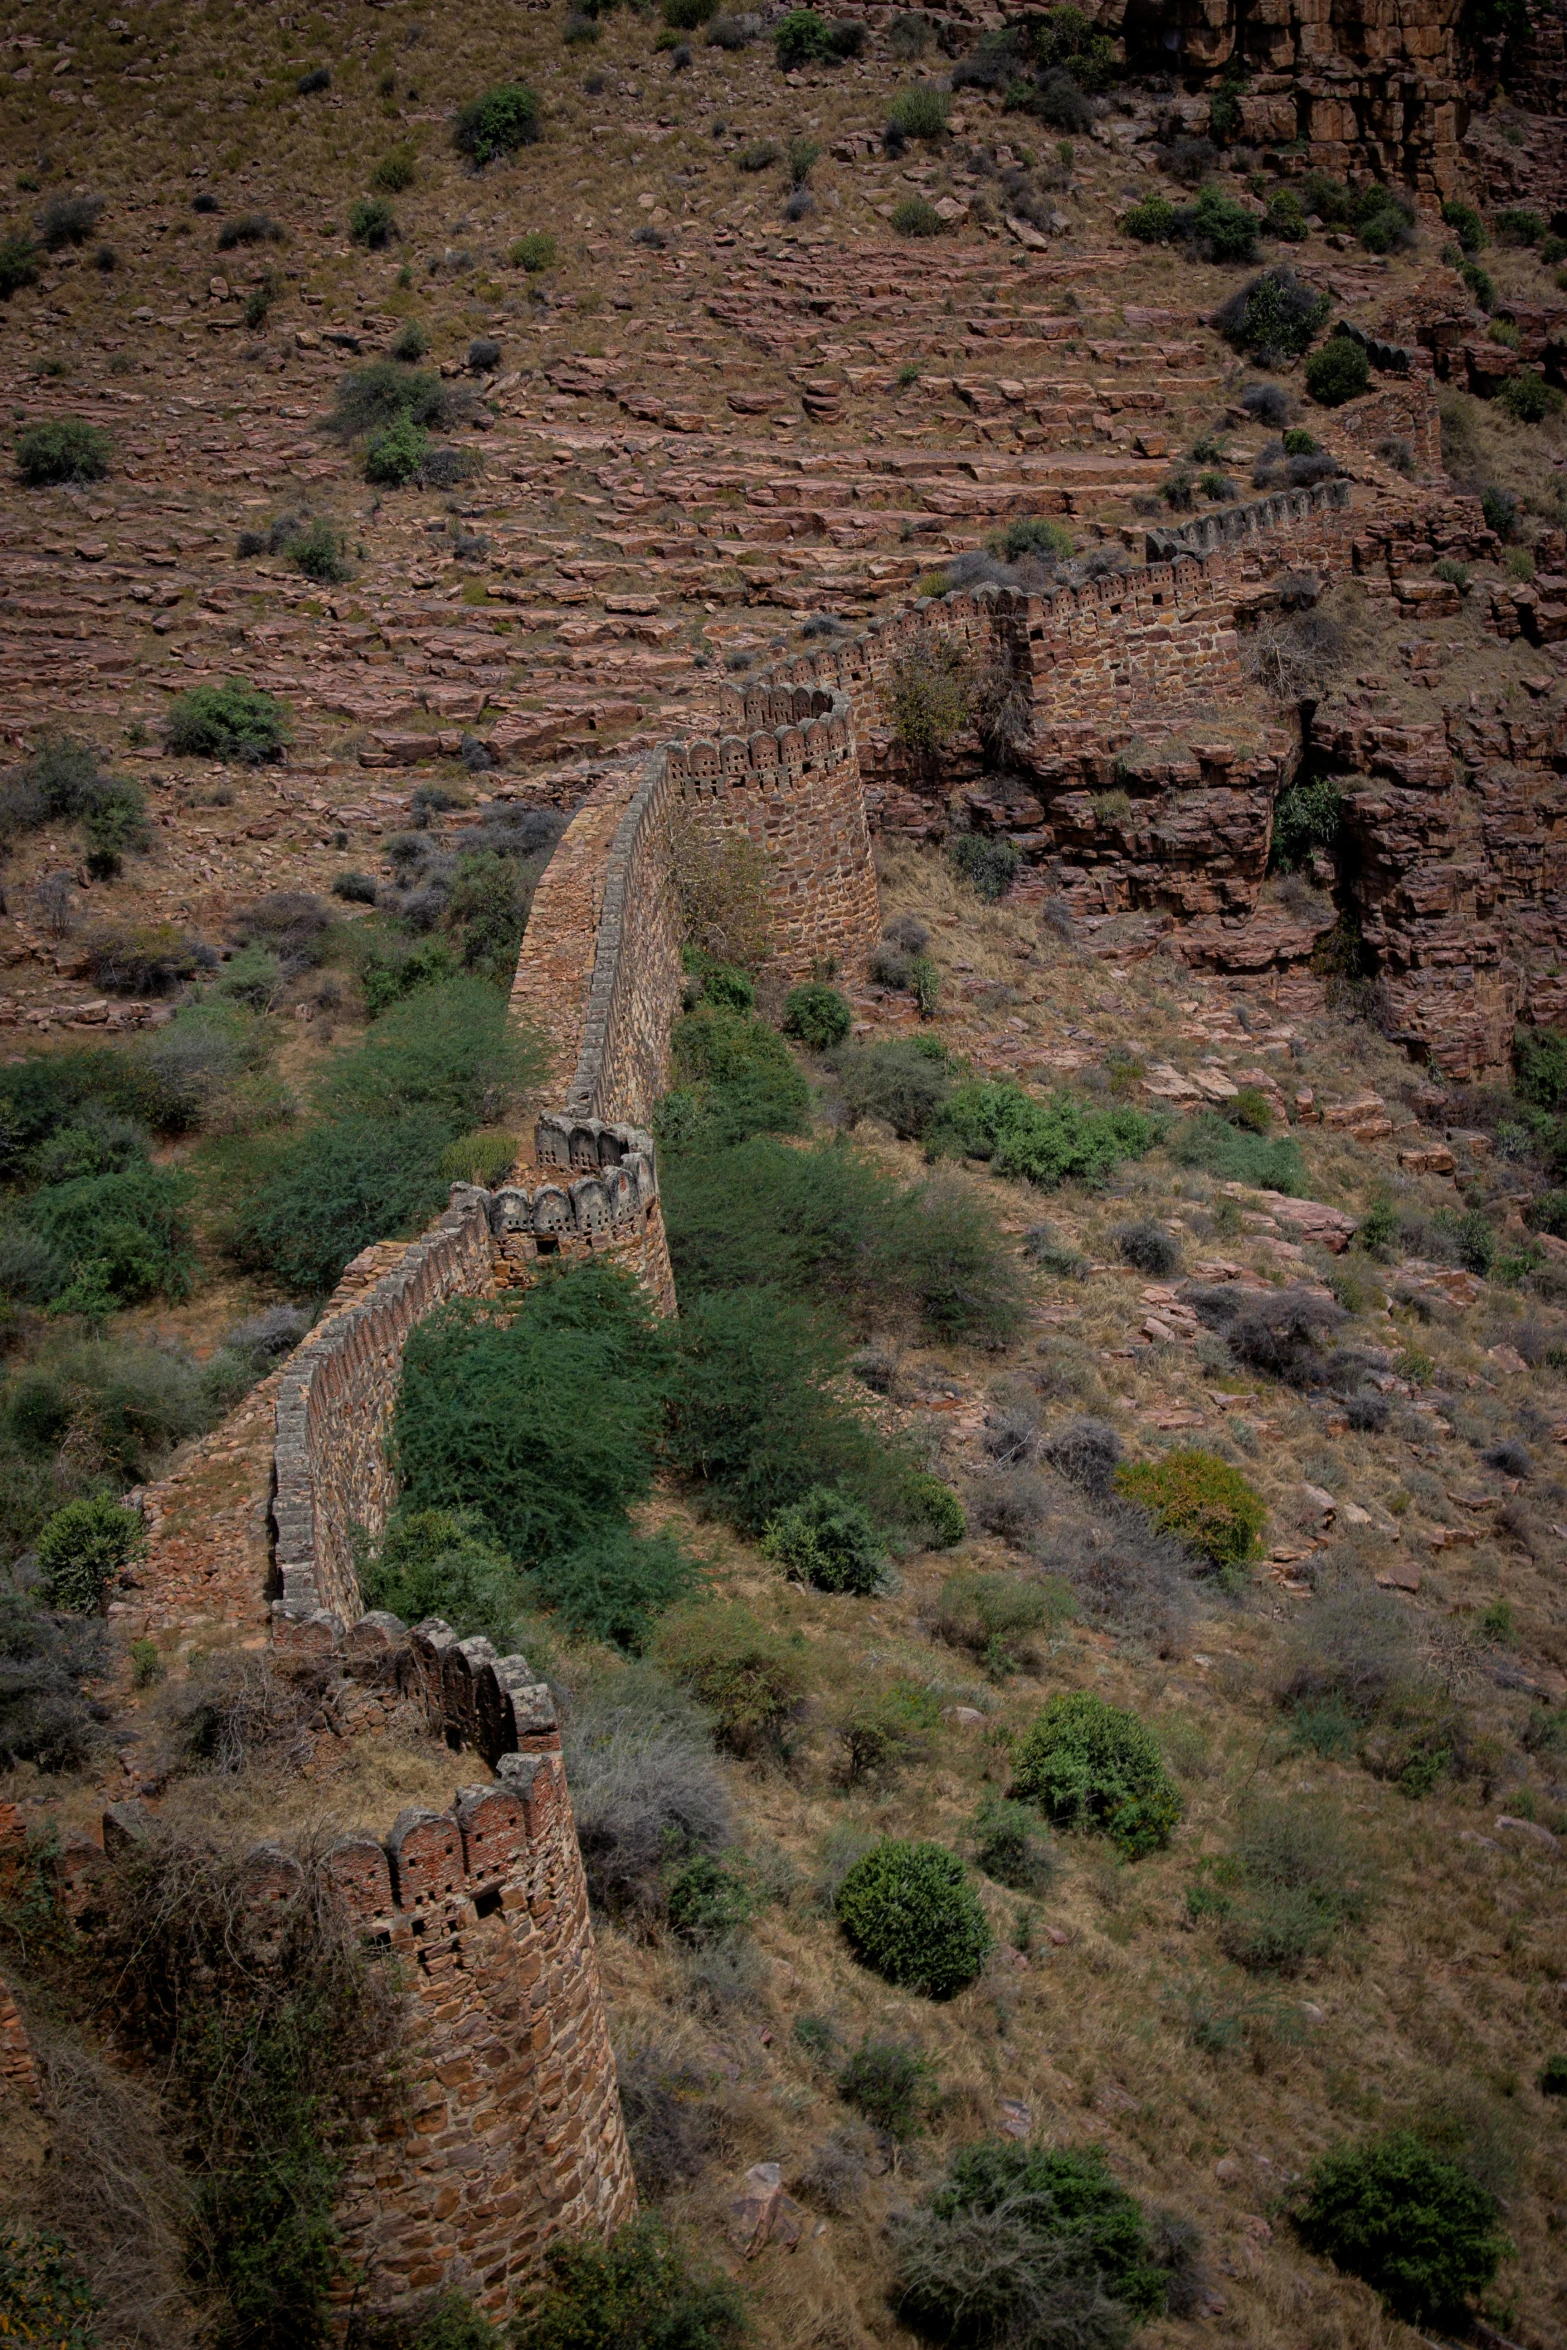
<point x="1340" y="371"/>
<point x="1418" y="2229"/>
<point x="1092" y="1767"/>
<point x="82" y="1548"/>
<point x="502" y="120"/>
<point x="818" y="1015"/>
<point x="828" y="1540"/>
<point x="927" y="696"/>
<point x="911" y="1913"/>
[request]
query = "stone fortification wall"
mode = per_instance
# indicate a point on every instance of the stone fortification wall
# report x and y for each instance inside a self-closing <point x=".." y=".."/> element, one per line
<point x="1315" y="518"/>
<point x="334" y="1402"/>
<point x="510" y="2129"/>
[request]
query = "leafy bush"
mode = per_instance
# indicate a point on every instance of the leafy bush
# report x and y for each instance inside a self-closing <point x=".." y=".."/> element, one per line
<point x="1032" y="534"/>
<point x="1274" y="318"/>
<point x="803" y="37"/>
<point x="819" y="1016"/>
<point x="63" y="782"/>
<point x="828" y="1224"/>
<point x="370" y="398"/>
<point x="990" y="864"/>
<point x="534" y="252"/>
<point x="734" y="1077"/>
<point x="228" y="721"/>
<point x="1219" y="228"/>
<point x="828" y="1540"/>
<point x="936" y="1510"/>
<point x="18" y="265"/>
<point x="1202" y="1501"/>
<point x="1419" y="2230"/>
<point x="1540" y="1067"/>
<point x="541" y="1415"/>
<point x="916" y="216"/>
<point x="638" y="2291"/>
<point x="920" y="113"/>
<point x="1009" y="1847"/>
<point x="893" y="2087"/>
<point x="614" y="1586"/>
<point x="1045" y="1143"/>
<point x="449" y="1053"/>
<point x="992" y="1617"/>
<point x="1527" y="397"/>
<point x="1030" y="2247"/>
<point x="125" y="1237"/>
<point x="756" y="1419"/>
<point x="1230" y="1152"/>
<point x="749" y="1678"/>
<point x="1091" y="1767"/>
<point x="308" y="1204"/>
<point x="42" y="2291"/>
<point x="396" y="455"/>
<point x="371" y="223"/>
<point x="1150" y="1247"/>
<point x="320" y="553"/>
<point x="1153" y="222"/>
<point x="1385" y="219"/>
<point x="444" y="1563"/>
<point x="65" y="449"/>
<point x="903" y="1081"/>
<point x="911" y="1914"/>
<point x="396" y="170"/>
<point x="502" y="120"/>
<point x="1466" y="225"/>
<point x="1286" y="217"/>
<point x="1340" y="371"/>
<point x="81" y="1550"/>
<point x="708" y="1901"/>
<point x="1307" y="815"/>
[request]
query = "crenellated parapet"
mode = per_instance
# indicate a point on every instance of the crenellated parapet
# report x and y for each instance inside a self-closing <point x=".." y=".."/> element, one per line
<point x="1231" y="526"/>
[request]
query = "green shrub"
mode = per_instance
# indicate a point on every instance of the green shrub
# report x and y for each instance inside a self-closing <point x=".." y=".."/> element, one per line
<point x="1540" y="1066"/>
<point x="82" y="1549"/>
<point x="1153" y="222"/>
<point x="44" y="2296"/>
<point x="1520" y="224"/>
<point x="1466" y="225"/>
<point x="1032" y="534"/>
<point x="749" y="1678"/>
<point x="936" y="1509"/>
<point x="1030" y="2246"/>
<point x="708" y="1902"/>
<point x="125" y="1237"/>
<point x="1202" y="1501"/>
<point x="502" y="120"/>
<point x="685" y="16"/>
<point x="542" y="1415"/>
<point x="303" y="1207"/>
<point x="636" y="2292"/>
<point x="320" y="552"/>
<point x="992" y="1617"/>
<point x="916" y="216"/>
<point x="444" y="1563"/>
<point x="756" y="1418"/>
<point x="1274" y="318"/>
<point x="18" y="265"/>
<point x="1045" y="1143"/>
<point x="448" y="1054"/>
<point x="396" y="170"/>
<point x="828" y="1540"/>
<point x="1212" y="1143"/>
<point x="395" y="456"/>
<point x="734" y="1077"/>
<point x="804" y="37"/>
<point x="991" y="865"/>
<point x="1419" y="2230"/>
<point x="1307" y="815"/>
<point x="487" y="901"/>
<point x="535" y="251"/>
<point x="1286" y="217"/>
<point x="724" y="984"/>
<point x="411" y="343"/>
<point x="828" y="1224"/>
<point x="911" y="1914"/>
<point x="1527" y="397"/>
<point x="1224" y="230"/>
<point x="614" y="1586"/>
<point x="883" y="1728"/>
<point x="1009" y="1847"/>
<point x="228" y="721"/>
<point x="819" y="1016"/>
<point x="371" y="223"/>
<point x="893" y="2087"/>
<point x="1340" y="371"/>
<point x="903" y="1081"/>
<point x="918" y="114"/>
<point x="65" y="449"/>
<point x="1091" y="1767"/>
<point x="1295" y="1871"/>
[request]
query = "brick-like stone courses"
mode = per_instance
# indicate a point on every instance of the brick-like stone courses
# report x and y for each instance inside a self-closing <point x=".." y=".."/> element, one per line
<point x="604" y="1204"/>
<point x="514" y="2132"/>
<point x="335" y="1397"/>
<point x="1324" y="505"/>
<point x="793" y="785"/>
